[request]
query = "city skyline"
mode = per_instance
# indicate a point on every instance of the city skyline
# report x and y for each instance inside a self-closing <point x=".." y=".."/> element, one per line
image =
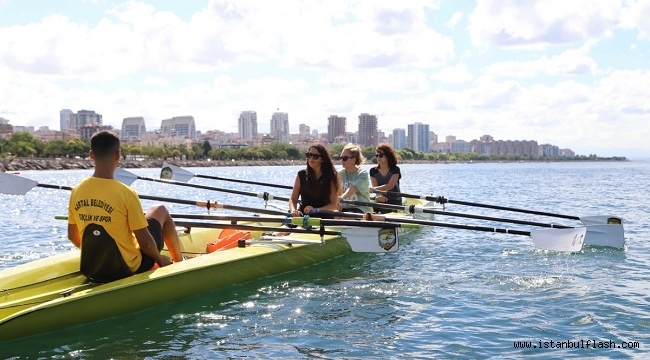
<point x="570" y="74"/>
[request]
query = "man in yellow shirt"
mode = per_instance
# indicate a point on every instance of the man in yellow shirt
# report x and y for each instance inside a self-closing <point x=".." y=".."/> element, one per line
<point x="106" y="221"/>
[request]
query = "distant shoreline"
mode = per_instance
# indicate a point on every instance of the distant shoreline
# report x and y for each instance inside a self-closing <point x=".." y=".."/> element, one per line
<point x="25" y="164"/>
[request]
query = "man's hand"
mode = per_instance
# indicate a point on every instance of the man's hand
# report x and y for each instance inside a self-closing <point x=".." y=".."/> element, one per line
<point x="164" y="261"/>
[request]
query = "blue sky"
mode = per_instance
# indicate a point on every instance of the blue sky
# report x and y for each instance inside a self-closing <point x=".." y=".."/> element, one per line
<point x="569" y="73"/>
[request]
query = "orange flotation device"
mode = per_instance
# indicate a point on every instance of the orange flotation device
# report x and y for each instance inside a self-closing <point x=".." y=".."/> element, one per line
<point x="227" y="239"/>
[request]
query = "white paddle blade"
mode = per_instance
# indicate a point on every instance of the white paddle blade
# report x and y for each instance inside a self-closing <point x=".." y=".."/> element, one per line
<point x="125" y="177"/>
<point x="172" y="172"/>
<point x="605" y="235"/>
<point x="564" y="240"/>
<point x="14" y="184"/>
<point x="375" y="240"/>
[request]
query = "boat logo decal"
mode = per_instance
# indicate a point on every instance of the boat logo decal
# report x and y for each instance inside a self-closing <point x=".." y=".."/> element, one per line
<point x="97" y="233"/>
<point x="387" y="238"/>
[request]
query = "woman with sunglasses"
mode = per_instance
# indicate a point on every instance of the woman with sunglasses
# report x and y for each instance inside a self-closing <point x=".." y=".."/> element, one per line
<point x="354" y="179"/>
<point x="317" y="186"/>
<point x="385" y="176"/>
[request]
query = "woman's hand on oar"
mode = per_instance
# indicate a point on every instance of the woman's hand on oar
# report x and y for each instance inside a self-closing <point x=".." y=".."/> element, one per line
<point x="173" y="172"/>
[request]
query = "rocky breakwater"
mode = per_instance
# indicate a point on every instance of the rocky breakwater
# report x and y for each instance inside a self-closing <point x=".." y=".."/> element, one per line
<point x="24" y="164"/>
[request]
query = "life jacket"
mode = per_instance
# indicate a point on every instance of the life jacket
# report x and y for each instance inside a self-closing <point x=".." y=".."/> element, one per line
<point x="227" y="239"/>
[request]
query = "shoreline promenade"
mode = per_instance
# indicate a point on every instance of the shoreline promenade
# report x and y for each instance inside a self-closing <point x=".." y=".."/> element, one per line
<point x="25" y="164"/>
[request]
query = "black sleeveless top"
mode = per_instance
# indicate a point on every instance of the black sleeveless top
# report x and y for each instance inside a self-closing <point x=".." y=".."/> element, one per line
<point x="317" y="200"/>
<point x="382" y="180"/>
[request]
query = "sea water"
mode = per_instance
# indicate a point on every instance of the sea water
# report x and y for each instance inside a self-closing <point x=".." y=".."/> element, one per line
<point x="450" y="293"/>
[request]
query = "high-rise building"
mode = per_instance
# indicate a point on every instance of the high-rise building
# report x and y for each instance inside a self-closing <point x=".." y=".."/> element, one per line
<point x="247" y="125"/>
<point x="304" y="131"/>
<point x="335" y="127"/>
<point x="280" y="126"/>
<point x="178" y="126"/>
<point x="399" y="139"/>
<point x="418" y="137"/>
<point x="133" y="128"/>
<point x="65" y="119"/>
<point x="85" y="118"/>
<point x="367" y="130"/>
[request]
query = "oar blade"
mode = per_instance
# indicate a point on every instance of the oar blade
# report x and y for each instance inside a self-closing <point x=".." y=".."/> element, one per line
<point x="124" y="176"/>
<point x="15" y="185"/>
<point x="374" y="240"/>
<point x="173" y="172"/>
<point x="563" y="240"/>
<point x="605" y="235"/>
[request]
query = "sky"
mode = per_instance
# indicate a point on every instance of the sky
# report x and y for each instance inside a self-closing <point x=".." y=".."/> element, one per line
<point x="575" y="74"/>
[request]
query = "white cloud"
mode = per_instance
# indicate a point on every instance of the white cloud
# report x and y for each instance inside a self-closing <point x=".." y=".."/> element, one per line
<point x="571" y="62"/>
<point x="315" y="59"/>
<point x="635" y="16"/>
<point x="540" y="23"/>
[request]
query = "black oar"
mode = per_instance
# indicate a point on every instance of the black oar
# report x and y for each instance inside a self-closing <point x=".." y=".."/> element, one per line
<point x="378" y="238"/>
<point x="128" y="177"/>
<point x="602" y="230"/>
<point x="304" y="221"/>
<point x="566" y="239"/>
<point x="412" y="209"/>
<point x="443" y="200"/>
<point x="17" y="185"/>
<point x="173" y="172"/>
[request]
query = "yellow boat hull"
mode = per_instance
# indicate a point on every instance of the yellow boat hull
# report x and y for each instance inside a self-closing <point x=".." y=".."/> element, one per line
<point x="50" y="294"/>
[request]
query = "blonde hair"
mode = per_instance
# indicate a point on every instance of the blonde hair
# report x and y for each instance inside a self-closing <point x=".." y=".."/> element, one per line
<point x="355" y="150"/>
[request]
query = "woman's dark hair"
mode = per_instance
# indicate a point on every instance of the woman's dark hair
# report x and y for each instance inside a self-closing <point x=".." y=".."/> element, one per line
<point x="329" y="174"/>
<point x="389" y="153"/>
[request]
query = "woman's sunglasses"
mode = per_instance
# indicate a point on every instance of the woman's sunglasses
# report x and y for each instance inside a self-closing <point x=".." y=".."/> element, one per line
<point x="311" y="155"/>
<point x="345" y="158"/>
<point x="379" y="155"/>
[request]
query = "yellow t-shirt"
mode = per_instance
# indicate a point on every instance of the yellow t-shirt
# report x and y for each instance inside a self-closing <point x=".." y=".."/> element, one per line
<point x="113" y="205"/>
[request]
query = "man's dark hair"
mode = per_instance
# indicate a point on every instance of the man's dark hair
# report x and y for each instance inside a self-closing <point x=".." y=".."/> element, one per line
<point x="104" y="143"/>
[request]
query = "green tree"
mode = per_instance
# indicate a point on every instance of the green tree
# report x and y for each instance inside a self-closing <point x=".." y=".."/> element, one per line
<point x="55" y="148"/>
<point x="206" y="147"/>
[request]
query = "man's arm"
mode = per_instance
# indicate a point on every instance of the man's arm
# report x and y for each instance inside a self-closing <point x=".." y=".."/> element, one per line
<point x="148" y="246"/>
<point x="73" y="235"/>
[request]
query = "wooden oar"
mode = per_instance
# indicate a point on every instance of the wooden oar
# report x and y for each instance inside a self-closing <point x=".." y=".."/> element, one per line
<point x="128" y="178"/>
<point x="563" y="240"/>
<point x="17" y="185"/>
<point x="173" y="172"/>
<point x="602" y="230"/>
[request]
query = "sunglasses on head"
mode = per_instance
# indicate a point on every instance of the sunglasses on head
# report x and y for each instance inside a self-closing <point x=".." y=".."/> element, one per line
<point x="345" y="158"/>
<point x="312" y="155"/>
<point x="379" y="155"/>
